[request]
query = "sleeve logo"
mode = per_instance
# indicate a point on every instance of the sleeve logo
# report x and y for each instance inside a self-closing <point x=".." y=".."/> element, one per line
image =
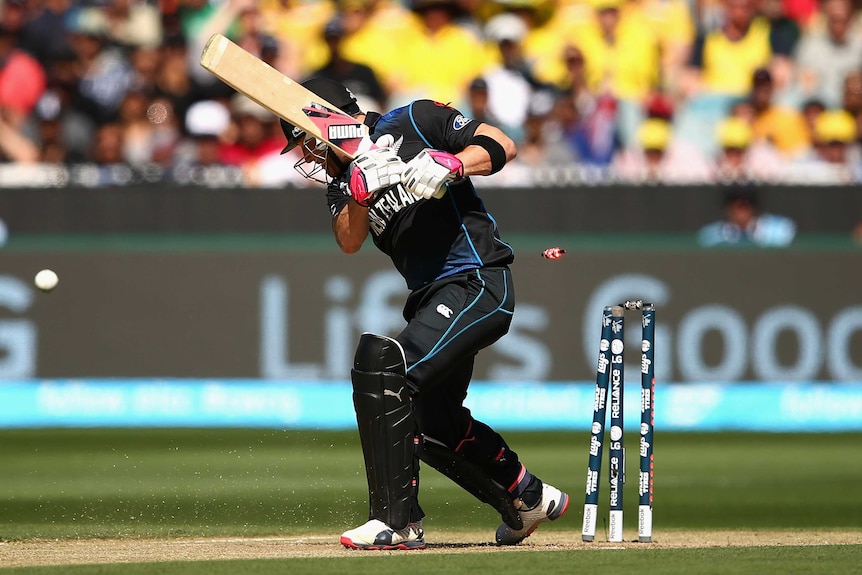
<point x="460" y="121"/>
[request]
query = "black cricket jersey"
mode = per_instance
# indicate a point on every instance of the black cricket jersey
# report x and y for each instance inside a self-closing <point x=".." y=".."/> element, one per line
<point x="431" y="239"/>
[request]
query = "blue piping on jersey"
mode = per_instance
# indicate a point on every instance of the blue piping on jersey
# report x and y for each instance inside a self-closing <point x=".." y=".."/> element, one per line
<point x="415" y="127"/>
<point x="440" y="343"/>
<point x="490" y="217"/>
<point x="464" y="229"/>
<point x="455" y="271"/>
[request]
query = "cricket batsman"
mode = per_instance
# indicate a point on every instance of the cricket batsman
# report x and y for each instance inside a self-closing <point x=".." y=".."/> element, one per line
<point x="411" y="192"/>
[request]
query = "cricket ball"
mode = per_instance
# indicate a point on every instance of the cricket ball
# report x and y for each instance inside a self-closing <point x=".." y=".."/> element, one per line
<point x="46" y="280"/>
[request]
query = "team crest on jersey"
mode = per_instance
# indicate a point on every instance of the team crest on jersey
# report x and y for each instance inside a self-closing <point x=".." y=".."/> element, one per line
<point x="460" y="121"/>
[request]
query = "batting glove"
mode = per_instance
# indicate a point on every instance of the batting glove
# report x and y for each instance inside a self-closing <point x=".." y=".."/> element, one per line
<point x="371" y="172"/>
<point x="427" y="174"/>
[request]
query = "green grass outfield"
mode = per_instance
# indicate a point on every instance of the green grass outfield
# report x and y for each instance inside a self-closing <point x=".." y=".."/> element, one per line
<point x="107" y="483"/>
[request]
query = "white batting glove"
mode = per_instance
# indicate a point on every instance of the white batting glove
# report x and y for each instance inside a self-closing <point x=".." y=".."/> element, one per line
<point x="371" y="172"/>
<point x="427" y="174"/>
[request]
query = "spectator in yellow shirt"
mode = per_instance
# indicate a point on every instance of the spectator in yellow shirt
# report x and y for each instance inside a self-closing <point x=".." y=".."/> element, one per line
<point x="622" y="59"/>
<point x="724" y="60"/>
<point x="552" y="25"/>
<point x="376" y="32"/>
<point x="720" y="70"/>
<point x="440" y="60"/>
<point x="621" y="53"/>
<point x="672" y="22"/>
<point x="784" y="127"/>
<point x="297" y="25"/>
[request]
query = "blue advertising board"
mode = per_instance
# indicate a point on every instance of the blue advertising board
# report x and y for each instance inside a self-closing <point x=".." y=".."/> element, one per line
<point x="773" y="407"/>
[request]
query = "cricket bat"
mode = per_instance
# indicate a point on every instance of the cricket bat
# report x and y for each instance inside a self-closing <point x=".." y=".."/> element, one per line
<point x="287" y="99"/>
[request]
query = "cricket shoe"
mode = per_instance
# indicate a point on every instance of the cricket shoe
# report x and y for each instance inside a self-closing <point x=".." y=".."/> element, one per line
<point x="552" y="506"/>
<point x="377" y="536"/>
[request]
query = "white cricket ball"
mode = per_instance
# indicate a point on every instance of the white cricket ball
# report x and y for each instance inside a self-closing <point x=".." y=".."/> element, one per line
<point x="46" y="280"/>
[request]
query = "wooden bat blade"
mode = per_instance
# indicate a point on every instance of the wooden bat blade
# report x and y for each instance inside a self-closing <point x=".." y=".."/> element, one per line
<point x="213" y="51"/>
<point x="289" y="100"/>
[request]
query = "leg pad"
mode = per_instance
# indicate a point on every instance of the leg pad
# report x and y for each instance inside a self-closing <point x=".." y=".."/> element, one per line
<point x="471" y="478"/>
<point x="387" y="430"/>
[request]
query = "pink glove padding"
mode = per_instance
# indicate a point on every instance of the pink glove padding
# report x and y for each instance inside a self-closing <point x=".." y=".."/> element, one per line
<point x="427" y="174"/>
<point x="375" y="170"/>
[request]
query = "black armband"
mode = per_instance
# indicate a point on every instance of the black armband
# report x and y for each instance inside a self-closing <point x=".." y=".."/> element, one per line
<point x="494" y="149"/>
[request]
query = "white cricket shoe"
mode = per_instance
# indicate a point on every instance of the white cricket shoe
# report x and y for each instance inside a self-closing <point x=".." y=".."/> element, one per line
<point x="377" y="536"/>
<point x="552" y="506"/>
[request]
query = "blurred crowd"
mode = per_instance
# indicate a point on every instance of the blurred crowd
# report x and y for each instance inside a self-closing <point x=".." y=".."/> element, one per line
<point x="102" y="92"/>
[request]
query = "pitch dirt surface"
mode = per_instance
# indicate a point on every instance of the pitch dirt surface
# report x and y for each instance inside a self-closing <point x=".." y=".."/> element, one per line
<point x="90" y="551"/>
